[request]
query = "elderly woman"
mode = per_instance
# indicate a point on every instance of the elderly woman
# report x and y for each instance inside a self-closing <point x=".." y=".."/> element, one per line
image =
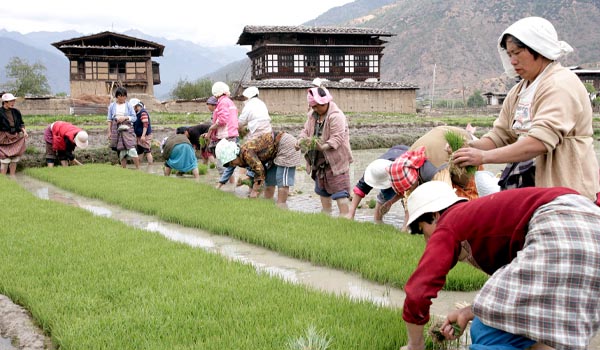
<point x="12" y="135"/>
<point x="544" y="265"/>
<point x="547" y="116"/>
<point x="326" y="138"/>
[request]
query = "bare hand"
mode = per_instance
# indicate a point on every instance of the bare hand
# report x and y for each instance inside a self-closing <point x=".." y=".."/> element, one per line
<point x="460" y="318"/>
<point x="253" y="194"/>
<point x="468" y="156"/>
<point x="322" y="146"/>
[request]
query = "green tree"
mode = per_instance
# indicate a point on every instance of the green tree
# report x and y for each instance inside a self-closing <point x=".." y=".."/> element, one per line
<point x="26" y="79"/>
<point x="476" y="100"/>
<point x="186" y="90"/>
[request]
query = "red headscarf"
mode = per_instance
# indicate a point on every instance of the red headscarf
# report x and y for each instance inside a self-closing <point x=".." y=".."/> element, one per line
<point x="404" y="171"/>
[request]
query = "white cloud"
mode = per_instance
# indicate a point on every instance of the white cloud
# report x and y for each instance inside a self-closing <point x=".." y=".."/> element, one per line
<point x="215" y="23"/>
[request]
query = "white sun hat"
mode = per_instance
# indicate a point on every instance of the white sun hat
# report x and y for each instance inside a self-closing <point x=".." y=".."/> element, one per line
<point x="219" y="88"/>
<point x="250" y="92"/>
<point x="430" y="197"/>
<point x="8" y="97"/>
<point x="134" y="102"/>
<point x="81" y="139"/>
<point x="376" y="174"/>
<point x="226" y="151"/>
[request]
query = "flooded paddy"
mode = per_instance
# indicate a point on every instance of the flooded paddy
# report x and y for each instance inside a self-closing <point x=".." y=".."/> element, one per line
<point x="263" y="260"/>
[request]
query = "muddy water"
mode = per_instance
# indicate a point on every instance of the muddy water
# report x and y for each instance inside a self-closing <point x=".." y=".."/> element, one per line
<point x="265" y="261"/>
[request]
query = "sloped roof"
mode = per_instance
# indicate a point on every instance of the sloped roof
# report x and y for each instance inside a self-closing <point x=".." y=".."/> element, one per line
<point x="253" y="31"/>
<point x="111" y="40"/>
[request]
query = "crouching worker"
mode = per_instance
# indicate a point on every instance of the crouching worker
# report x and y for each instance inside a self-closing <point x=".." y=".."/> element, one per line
<point x="179" y="154"/>
<point x="61" y="140"/>
<point x="252" y="155"/>
<point x="544" y="265"/>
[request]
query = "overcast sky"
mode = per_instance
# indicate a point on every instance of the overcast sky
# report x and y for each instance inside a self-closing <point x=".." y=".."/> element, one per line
<point x="209" y="23"/>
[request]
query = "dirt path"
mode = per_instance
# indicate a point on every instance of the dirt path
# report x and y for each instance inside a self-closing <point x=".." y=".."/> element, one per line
<point x="17" y="325"/>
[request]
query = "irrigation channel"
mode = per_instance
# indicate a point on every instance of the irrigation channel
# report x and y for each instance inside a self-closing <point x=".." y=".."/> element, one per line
<point x="16" y="325"/>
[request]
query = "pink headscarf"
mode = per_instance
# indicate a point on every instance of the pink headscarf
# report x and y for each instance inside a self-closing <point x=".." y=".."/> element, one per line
<point x="318" y="96"/>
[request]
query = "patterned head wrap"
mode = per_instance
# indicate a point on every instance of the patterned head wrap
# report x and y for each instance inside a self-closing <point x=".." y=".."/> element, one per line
<point x="404" y="171"/>
<point x="318" y="96"/>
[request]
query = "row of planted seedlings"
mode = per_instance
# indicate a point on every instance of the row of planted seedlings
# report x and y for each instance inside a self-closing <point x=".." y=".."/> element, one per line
<point x="93" y="283"/>
<point x="135" y="289"/>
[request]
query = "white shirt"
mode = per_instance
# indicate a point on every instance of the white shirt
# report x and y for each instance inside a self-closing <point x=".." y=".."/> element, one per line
<point x="256" y="115"/>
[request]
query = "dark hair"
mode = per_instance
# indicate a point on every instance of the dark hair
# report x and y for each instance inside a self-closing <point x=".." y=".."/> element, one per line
<point x="181" y="129"/>
<point x="427" y="217"/>
<point x="121" y="91"/>
<point x="518" y="43"/>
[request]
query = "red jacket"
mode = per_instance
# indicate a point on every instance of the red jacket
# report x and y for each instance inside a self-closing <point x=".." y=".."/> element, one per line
<point x="59" y="131"/>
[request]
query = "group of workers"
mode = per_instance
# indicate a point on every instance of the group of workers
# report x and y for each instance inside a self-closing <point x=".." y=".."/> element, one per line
<point x="539" y="242"/>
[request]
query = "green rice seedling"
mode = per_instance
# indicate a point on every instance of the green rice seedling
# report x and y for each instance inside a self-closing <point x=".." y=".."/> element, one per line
<point x="212" y="165"/>
<point x="456" y="141"/>
<point x="202" y="141"/>
<point x="438" y="340"/>
<point x="94" y="283"/>
<point x="372" y="203"/>
<point x="309" y="144"/>
<point x="202" y="169"/>
<point x="367" y="249"/>
<point x="313" y="340"/>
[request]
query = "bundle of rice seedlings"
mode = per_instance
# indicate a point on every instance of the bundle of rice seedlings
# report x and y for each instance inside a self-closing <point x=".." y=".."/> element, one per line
<point x="309" y="144"/>
<point x="438" y="339"/>
<point x="456" y="141"/>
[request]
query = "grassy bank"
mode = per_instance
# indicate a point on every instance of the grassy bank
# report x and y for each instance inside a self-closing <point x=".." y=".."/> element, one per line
<point x="376" y="252"/>
<point x="93" y="283"/>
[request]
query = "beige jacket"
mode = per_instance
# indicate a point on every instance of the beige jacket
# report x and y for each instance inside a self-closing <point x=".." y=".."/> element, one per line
<point x="562" y="120"/>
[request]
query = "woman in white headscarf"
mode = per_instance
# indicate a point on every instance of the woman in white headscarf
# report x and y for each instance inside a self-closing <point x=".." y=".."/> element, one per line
<point x="546" y="116"/>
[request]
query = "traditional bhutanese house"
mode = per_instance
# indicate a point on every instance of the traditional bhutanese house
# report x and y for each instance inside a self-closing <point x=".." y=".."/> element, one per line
<point x="286" y="59"/>
<point x="591" y="76"/>
<point x="101" y="62"/>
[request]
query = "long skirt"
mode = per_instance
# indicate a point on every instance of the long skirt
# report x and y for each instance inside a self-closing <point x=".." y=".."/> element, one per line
<point x="122" y="140"/>
<point x="183" y="158"/>
<point x="11" y="145"/>
<point x="550" y="292"/>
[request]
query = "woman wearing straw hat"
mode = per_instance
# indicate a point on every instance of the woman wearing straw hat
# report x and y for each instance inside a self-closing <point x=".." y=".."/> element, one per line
<point x="12" y="135"/>
<point x="61" y="140"/>
<point x="547" y="116"/>
<point x="541" y="247"/>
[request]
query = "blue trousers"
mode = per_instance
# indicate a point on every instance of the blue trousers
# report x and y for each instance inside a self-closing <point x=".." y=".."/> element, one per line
<point x="487" y="338"/>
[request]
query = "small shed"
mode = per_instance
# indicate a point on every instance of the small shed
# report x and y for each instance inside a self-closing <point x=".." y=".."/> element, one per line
<point x="494" y="98"/>
<point x="289" y="96"/>
<point x="101" y="62"/>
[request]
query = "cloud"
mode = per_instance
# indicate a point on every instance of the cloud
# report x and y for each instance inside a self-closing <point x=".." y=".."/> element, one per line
<point x="217" y="23"/>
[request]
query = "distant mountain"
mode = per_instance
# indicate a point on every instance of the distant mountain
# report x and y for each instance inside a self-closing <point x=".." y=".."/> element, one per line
<point x="182" y="59"/>
<point x="459" y="38"/>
